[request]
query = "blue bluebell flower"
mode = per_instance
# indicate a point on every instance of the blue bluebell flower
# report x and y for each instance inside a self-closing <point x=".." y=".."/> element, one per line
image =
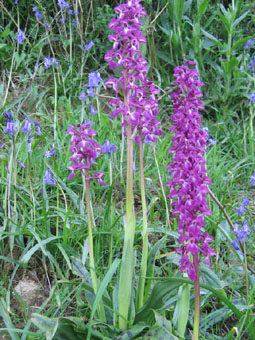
<point x="249" y="43"/>
<point x="63" y="4"/>
<point x="89" y="45"/>
<point x="62" y="20"/>
<point x="10" y="127"/>
<point x="21" y="164"/>
<point x="50" y="153"/>
<point x="92" y="111"/>
<point x="252" y="97"/>
<point x="241" y="234"/>
<point x="27" y="127"/>
<point x="76" y="13"/>
<point x="252" y="180"/>
<point x="20" y="37"/>
<point x="108" y="148"/>
<point x="94" y="79"/>
<point x="74" y="23"/>
<point x="49" y="178"/>
<point x="251" y="66"/>
<point x="82" y="96"/>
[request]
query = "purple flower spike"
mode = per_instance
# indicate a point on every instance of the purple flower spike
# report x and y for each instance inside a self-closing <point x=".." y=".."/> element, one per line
<point x="85" y="150"/>
<point x="108" y="148"/>
<point x="189" y="183"/>
<point x="142" y="107"/>
<point x="49" y="178"/>
<point x="89" y="45"/>
<point x="20" y="37"/>
<point x="21" y="164"/>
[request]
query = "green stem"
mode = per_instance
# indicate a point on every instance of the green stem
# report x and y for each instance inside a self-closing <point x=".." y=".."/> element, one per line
<point x="246" y="274"/>
<point x="197" y="299"/>
<point x="55" y="107"/>
<point x="145" y="230"/>
<point x="91" y="251"/>
<point x="111" y="216"/>
<point x="126" y="271"/>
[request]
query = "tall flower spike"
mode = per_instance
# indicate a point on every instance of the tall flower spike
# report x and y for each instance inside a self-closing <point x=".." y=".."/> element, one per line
<point x="85" y="150"/>
<point x="189" y="183"/>
<point x="142" y="107"/>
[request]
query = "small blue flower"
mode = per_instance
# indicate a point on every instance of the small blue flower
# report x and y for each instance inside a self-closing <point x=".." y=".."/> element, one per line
<point x="108" y="148"/>
<point x="76" y="13"/>
<point x="70" y="11"/>
<point x="253" y="179"/>
<point x="235" y="245"/>
<point x="89" y="122"/>
<point x="94" y="79"/>
<point x="74" y="23"/>
<point x="211" y="141"/>
<point x="205" y="129"/>
<point x="29" y="143"/>
<point x="92" y="111"/>
<point x="91" y="92"/>
<point x="10" y="127"/>
<point x="62" y="20"/>
<point x="50" y="61"/>
<point x="21" y="164"/>
<point x="50" y="153"/>
<point x="20" y="37"/>
<point x="241" y="210"/>
<point x="252" y="97"/>
<point x="246" y="202"/>
<point x="38" y="15"/>
<point x="27" y="127"/>
<point x="252" y="64"/>
<point x="89" y="45"/>
<point x="82" y="96"/>
<point x="249" y="43"/>
<point x="63" y="4"/>
<point x="39" y="132"/>
<point x="49" y="178"/>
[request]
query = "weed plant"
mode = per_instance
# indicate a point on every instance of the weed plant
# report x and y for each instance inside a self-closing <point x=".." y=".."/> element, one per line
<point x="63" y="226"/>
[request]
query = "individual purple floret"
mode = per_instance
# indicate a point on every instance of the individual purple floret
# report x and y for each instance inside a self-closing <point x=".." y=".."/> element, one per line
<point x="27" y="127"/>
<point x="49" y="178"/>
<point x="189" y="182"/>
<point x="70" y="11"/>
<point x="252" y="180"/>
<point x="92" y="111"/>
<point x="85" y="150"/>
<point x="76" y="13"/>
<point x="39" y="132"/>
<point x="83" y="95"/>
<point x="20" y="37"/>
<point x="252" y="97"/>
<point x="62" y="20"/>
<point x="141" y="93"/>
<point x="50" y="153"/>
<point x="74" y="23"/>
<point x="29" y="143"/>
<point x="108" y="148"/>
<point x="89" y="45"/>
<point x="63" y="4"/>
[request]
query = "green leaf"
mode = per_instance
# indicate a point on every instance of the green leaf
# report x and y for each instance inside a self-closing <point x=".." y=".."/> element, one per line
<point x="100" y="292"/>
<point x="202" y="8"/>
<point x="156" y="300"/>
<point x="132" y="332"/>
<point x="238" y="20"/>
<point x="7" y="321"/>
<point x="157" y="332"/>
<point x="150" y="265"/>
<point x="181" y="310"/>
<point x="178" y="11"/>
<point x="213" y="38"/>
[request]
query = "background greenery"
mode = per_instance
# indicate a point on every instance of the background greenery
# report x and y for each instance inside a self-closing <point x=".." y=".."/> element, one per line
<point x="45" y="242"/>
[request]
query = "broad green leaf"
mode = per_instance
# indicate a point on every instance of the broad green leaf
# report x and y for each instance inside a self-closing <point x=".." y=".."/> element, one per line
<point x="178" y="10"/>
<point x="213" y="38"/>
<point x="202" y="8"/>
<point x="157" y="332"/>
<point x="238" y="20"/>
